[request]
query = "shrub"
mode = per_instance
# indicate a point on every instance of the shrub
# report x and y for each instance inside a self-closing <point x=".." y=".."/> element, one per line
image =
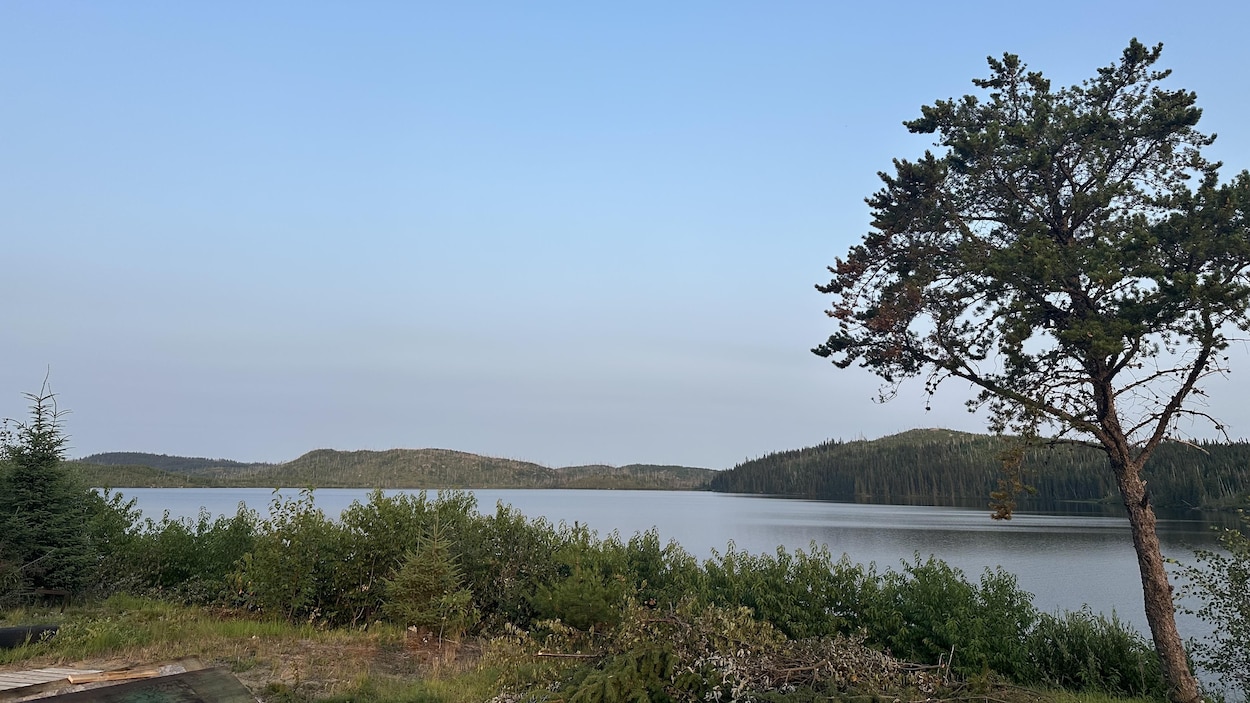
<point x="290" y="571"/>
<point x="804" y="594"/>
<point x="1220" y="581"/>
<point x="662" y="576"/>
<point x="695" y="652"/>
<point x="586" y="599"/>
<point x="1082" y="651"/>
<point x="928" y="613"/>
<point x="377" y="538"/>
<point x="505" y="559"/>
<point x="114" y="530"/>
<point x="187" y="559"/>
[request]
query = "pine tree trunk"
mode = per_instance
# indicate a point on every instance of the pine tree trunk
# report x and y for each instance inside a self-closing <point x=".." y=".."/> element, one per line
<point x="1160" y="614"/>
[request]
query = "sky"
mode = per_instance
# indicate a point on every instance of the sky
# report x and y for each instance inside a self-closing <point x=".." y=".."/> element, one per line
<point x="567" y="233"/>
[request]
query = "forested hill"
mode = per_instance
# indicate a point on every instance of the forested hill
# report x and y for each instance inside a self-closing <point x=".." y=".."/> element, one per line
<point x="395" y="468"/>
<point x="943" y="467"/>
<point x="164" y="462"/>
<point x="638" y="476"/>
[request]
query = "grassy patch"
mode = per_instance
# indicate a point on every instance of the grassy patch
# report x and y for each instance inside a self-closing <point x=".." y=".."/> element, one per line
<point x="285" y="663"/>
<point x="287" y="660"/>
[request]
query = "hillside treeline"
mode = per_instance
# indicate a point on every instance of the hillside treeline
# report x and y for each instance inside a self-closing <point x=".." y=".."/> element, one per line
<point x="166" y="462"/>
<point x="942" y="467"/>
<point x="393" y="468"/>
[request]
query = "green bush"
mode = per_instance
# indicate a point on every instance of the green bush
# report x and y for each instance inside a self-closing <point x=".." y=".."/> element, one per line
<point x="695" y="652"/>
<point x="305" y="566"/>
<point x="113" y="530"/>
<point x="187" y="559"/>
<point x="585" y="599"/>
<point x="505" y="559"/>
<point x="291" y="569"/>
<point x="1220" y="581"/>
<point x="928" y="612"/>
<point x="591" y="583"/>
<point x="804" y="594"/>
<point x="378" y="536"/>
<point x="661" y="575"/>
<point x="1081" y="651"/>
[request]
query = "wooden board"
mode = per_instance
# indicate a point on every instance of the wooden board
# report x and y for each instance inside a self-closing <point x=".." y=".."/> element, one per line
<point x="20" y="679"/>
<point x="203" y="686"/>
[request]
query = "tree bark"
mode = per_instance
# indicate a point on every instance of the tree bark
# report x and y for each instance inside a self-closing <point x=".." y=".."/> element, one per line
<point x="1160" y="613"/>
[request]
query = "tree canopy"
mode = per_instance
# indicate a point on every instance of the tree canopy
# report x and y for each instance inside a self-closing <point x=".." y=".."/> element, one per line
<point x="1071" y="254"/>
<point x="1056" y="240"/>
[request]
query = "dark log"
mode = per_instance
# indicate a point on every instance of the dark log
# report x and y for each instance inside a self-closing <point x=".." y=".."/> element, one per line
<point x="13" y="637"/>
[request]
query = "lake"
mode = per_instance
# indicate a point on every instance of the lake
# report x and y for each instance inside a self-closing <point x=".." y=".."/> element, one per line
<point x="1066" y="560"/>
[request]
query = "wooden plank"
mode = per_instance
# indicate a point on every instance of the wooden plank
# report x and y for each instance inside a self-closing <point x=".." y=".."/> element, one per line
<point x="119" y="675"/>
<point x="63" y="670"/>
<point x="19" y="682"/>
<point x="202" y="686"/>
<point x="10" y="680"/>
<point x="30" y="678"/>
<point x="33" y="677"/>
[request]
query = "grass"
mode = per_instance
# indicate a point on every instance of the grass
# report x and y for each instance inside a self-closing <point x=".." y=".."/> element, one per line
<point x="278" y="661"/>
<point x="285" y="663"/>
<point x="1070" y="697"/>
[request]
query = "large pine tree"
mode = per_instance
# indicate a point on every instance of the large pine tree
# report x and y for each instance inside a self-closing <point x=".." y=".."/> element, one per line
<point x="1070" y="254"/>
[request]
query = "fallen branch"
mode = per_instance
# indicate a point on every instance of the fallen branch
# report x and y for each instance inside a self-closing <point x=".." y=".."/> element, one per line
<point x="559" y="655"/>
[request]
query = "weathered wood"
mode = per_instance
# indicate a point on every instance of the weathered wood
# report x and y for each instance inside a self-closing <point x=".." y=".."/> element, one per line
<point x="10" y="680"/>
<point x="203" y="686"/>
<point x="119" y="675"/>
<point x="59" y="593"/>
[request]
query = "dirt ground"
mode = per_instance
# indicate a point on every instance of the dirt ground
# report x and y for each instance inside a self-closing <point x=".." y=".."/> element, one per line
<point x="280" y="669"/>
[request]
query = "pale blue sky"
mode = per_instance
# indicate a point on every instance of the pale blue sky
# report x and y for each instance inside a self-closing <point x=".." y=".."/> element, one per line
<point x="562" y="232"/>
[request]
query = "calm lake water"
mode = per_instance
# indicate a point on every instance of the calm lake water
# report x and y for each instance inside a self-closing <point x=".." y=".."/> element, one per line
<point x="1066" y="560"/>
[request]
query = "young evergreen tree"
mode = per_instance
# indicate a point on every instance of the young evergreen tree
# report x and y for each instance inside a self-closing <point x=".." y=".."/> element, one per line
<point x="43" y="510"/>
<point x="1072" y="255"/>
<point x="427" y="591"/>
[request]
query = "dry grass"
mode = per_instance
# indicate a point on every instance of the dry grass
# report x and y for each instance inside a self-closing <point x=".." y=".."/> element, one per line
<point x="276" y="660"/>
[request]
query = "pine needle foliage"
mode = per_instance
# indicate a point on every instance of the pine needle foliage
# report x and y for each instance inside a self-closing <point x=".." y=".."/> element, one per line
<point x="43" y="511"/>
<point x="427" y="590"/>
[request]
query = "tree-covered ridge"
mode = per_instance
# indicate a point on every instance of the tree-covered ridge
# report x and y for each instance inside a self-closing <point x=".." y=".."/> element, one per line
<point x="944" y="467"/>
<point x="133" y="476"/>
<point x="639" y="476"/>
<point x="930" y="466"/>
<point x="164" y="462"/>
<point x="393" y="468"/>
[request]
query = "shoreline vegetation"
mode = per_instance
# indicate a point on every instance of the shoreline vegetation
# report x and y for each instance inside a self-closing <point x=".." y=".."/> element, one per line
<point x="918" y="467"/>
<point x="409" y="597"/>
<point x="282" y="662"/>
<point x="413" y="598"/>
